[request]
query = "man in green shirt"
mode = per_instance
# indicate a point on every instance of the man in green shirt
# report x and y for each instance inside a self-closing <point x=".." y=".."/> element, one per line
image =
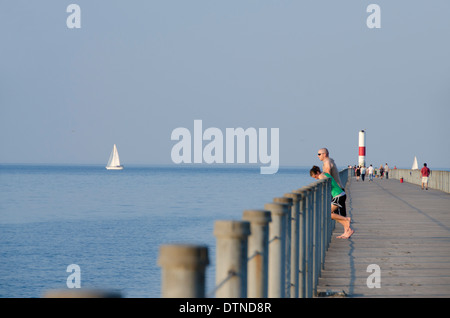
<point x="338" y="211"/>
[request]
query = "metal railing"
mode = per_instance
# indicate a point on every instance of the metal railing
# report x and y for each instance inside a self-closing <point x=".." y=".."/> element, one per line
<point x="275" y="252"/>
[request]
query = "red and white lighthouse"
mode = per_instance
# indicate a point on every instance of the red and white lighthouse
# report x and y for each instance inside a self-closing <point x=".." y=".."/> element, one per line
<point x="362" y="148"/>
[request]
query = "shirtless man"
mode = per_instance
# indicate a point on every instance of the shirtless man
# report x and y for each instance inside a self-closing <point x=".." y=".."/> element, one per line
<point x="338" y="210"/>
<point x="329" y="165"/>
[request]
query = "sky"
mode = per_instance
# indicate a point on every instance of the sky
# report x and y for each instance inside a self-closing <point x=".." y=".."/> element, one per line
<point x="136" y="70"/>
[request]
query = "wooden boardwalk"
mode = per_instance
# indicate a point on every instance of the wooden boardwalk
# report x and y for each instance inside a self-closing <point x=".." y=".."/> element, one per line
<point x="402" y="229"/>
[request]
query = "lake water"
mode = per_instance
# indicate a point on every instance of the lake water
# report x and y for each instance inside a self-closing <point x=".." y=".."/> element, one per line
<point x="112" y="223"/>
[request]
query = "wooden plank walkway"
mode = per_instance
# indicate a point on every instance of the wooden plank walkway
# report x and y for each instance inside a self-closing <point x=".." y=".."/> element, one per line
<point x="402" y="229"/>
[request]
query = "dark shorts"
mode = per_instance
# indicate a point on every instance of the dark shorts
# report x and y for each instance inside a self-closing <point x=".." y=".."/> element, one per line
<point x="339" y="201"/>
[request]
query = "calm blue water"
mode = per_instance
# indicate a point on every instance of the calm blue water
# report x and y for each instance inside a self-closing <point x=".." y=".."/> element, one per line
<point x="111" y="223"/>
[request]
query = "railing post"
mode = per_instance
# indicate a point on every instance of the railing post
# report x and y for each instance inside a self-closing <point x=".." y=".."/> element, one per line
<point x="295" y="241"/>
<point x="258" y="252"/>
<point x="277" y="249"/>
<point x="82" y="293"/>
<point x="302" y="240"/>
<point x="183" y="270"/>
<point x="328" y="213"/>
<point x="309" y="270"/>
<point x="288" y="243"/>
<point x="323" y="223"/>
<point x="231" y="258"/>
<point x="316" y="235"/>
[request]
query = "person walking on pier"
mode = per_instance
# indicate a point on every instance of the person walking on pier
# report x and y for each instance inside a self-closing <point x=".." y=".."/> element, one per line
<point x="329" y="166"/>
<point x="363" y="173"/>
<point x="386" y="171"/>
<point x="370" y="171"/>
<point x="425" y="173"/>
<point x="338" y="210"/>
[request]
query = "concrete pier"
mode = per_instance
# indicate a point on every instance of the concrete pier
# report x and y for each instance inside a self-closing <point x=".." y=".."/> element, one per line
<point x="402" y="229"/>
<point x="400" y="248"/>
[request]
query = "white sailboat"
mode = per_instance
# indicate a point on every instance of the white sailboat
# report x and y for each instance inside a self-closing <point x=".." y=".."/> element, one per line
<point x="415" y="166"/>
<point x="114" y="161"/>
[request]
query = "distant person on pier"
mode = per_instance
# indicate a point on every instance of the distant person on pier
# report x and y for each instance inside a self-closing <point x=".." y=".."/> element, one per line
<point x="358" y="173"/>
<point x="329" y="166"/>
<point x="338" y="210"/>
<point x="425" y="173"/>
<point x="370" y="171"/>
<point x="386" y="171"/>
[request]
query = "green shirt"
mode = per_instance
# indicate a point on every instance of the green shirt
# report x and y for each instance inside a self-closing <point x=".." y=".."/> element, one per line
<point x="335" y="188"/>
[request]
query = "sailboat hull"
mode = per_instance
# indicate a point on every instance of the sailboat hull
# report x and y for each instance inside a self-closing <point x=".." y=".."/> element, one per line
<point x="115" y="168"/>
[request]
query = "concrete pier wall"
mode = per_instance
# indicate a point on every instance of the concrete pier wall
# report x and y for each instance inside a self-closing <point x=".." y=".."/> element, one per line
<point x="438" y="179"/>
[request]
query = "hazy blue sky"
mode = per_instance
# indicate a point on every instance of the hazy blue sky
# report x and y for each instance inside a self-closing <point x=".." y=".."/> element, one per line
<point x="136" y="70"/>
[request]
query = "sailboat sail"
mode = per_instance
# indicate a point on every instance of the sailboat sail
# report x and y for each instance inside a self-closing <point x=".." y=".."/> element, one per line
<point x="114" y="161"/>
<point x="415" y="166"/>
